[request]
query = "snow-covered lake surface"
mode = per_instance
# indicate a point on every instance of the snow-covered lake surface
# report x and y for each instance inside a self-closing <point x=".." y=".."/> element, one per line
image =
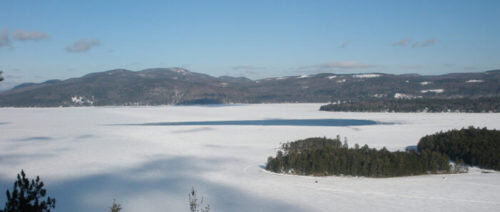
<point x="89" y="156"/>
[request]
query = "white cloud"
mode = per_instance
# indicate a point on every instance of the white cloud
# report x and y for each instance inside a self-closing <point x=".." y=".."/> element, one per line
<point x="415" y="44"/>
<point x="33" y="35"/>
<point x="4" y="38"/>
<point x="429" y="42"/>
<point x="82" y="45"/>
<point x="402" y="42"/>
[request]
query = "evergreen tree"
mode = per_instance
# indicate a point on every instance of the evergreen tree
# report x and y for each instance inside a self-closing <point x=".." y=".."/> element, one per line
<point x="27" y="196"/>
<point x="474" y="146"/>
<point x="115" y="207"/>
<point x="196" y="205"/>
<point x="322" y="156"/>
<point x="482" y="104"/>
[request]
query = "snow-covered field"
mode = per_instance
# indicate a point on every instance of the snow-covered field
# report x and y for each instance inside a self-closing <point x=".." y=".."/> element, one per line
<point x="89" y="156"/>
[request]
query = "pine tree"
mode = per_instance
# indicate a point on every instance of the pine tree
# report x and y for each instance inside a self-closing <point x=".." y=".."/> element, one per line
<point x="196" y="205"/>
<point x="27" y="196"/>
<point x="115" y="207"/>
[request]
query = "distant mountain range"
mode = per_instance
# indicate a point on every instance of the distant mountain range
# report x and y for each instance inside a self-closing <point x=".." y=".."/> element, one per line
<point x="179" y="86"/>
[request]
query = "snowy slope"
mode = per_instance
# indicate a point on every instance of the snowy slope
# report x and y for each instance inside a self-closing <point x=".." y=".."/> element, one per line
<point x="87" y="158"/>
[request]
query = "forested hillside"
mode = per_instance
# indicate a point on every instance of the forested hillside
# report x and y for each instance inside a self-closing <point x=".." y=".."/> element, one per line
<point x="474" y="146"/>
<point x="180" y="86"/>
<point x="464" y="105"/>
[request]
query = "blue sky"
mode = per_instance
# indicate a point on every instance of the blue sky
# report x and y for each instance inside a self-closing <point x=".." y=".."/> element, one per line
<point x="42" y="40"/>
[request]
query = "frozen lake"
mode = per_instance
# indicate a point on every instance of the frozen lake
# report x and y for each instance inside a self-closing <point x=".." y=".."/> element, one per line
<point x="148" y="158"/>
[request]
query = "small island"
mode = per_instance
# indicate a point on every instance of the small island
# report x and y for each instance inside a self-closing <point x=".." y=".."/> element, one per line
<point x="324" y="157"/>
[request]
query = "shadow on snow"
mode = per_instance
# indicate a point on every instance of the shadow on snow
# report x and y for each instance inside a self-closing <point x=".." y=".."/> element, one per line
<point x="161" y="185"/>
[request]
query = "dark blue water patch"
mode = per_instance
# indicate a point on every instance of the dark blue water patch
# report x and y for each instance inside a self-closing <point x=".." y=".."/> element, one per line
<point x="411" y="148"/>
<point x="270" y="122"/>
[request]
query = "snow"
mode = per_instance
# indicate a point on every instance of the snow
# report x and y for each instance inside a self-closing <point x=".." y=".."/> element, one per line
<point x="474" y="81"/>
<point x="332" y="77"/>
<point x="88" y="156"/>
<point x="425" y="83"/>
<point x="77" y="99"/>
<point x="341" y="80"/>
<point x="180" y="70"/>
<point x="303" y="76"/>
<point x="405" y="96"/>
<point x="82" y="100"/>
<point x="366" y="75"/>
<point x="432" y="91"/>
<point x="379" y="95"/>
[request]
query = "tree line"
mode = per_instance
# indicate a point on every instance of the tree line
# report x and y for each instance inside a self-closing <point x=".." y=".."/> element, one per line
<point x="323" y="156"/>
<point x="468" y="105"/>
<point x="474" y="146"/>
